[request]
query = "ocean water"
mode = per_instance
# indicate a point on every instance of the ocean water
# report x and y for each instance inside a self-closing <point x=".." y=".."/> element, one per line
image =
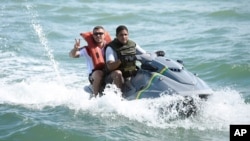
<point x="41" y="87"/>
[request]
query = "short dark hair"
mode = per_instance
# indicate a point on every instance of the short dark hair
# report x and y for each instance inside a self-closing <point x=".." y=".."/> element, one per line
<point x="98" y="27"/>
<point x="120" y="28"/>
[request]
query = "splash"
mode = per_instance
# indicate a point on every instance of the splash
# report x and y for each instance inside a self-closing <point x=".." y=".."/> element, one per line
<point x="223" y="108"/>
<point x="43" y="40"/>
<point x="38" y="94"/>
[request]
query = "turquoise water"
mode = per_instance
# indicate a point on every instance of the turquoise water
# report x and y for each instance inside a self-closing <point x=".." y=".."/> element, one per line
<point x="41" y="96"/>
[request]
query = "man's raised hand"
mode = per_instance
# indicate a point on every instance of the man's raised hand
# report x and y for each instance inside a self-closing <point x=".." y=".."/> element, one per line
<point x="77" y="44"/>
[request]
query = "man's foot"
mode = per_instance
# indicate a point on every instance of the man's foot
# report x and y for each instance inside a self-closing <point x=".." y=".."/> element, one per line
<point x="92" y="96"/>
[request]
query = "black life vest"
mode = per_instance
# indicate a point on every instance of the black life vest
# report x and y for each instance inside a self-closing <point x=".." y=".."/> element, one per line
<point x="126" y="53"/>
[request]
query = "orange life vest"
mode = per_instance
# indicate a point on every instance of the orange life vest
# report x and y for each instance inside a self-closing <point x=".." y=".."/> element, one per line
<point x="94" y="51"/>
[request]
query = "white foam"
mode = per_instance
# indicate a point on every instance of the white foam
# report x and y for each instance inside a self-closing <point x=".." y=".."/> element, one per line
<point x="225" y="107"/>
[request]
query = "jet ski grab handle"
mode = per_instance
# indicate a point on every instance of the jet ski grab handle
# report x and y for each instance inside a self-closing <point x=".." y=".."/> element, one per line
<point x="145" y="59"/>
<point x="160" y="53"/>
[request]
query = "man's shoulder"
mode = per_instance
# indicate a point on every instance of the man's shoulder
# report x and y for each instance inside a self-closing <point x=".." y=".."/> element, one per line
<point x="83" y="51"/>
<point x="82" y="48"/>
<point x="109" y="50"/>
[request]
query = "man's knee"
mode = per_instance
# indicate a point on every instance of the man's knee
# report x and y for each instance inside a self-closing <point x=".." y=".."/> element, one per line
<point x="117" y="74"/>
<point x="97" y="75"/>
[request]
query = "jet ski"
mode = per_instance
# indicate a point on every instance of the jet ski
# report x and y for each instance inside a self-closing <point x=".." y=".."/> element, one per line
<point x="158" y="76"/>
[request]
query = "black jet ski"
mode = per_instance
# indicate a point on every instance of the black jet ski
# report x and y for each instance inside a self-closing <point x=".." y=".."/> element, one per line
<point x="158" y="76"/>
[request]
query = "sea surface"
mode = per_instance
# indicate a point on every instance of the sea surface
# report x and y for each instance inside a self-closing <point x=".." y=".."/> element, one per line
<point x="41" y="87"/>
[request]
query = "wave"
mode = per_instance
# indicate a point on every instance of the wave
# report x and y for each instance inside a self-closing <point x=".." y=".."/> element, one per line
<point x="225" y="107"/>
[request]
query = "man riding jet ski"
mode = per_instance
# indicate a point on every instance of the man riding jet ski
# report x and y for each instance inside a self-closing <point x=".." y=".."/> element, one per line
<point x="157" y="76"/>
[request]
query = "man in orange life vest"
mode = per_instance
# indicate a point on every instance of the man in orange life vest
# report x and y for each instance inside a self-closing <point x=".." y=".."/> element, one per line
<point x="94" y="55"/>
<point x="120" y="57"/>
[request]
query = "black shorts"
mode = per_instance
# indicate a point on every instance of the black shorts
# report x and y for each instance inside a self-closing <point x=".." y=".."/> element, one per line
<point x="90" y="78"/>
